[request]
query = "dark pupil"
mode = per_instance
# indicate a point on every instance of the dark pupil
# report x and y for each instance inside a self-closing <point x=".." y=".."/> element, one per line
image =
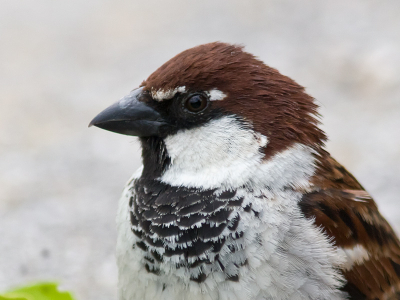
<point x="195" y="102"/>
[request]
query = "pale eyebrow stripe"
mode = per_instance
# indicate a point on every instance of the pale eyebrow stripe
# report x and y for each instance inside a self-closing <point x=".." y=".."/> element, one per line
<point x="161" y="94"/>
<point x="216" y="95"/>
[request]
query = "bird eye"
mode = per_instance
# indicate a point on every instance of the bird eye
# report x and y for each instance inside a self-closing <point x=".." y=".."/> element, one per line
<point x="196" y="103"/>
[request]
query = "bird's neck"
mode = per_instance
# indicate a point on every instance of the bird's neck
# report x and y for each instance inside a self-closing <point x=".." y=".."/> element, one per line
<point x="186" y="239"/>
<point x="154" y="156"/>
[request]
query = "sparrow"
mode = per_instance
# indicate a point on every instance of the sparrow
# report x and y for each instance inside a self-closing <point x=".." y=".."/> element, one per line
<point x="237" y="199"/>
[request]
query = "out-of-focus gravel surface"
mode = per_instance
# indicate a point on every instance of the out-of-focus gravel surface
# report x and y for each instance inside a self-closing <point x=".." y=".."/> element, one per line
<point x="61" y="62"/>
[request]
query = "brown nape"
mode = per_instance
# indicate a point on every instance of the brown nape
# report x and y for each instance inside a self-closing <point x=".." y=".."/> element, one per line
<point x="288" y="114"/>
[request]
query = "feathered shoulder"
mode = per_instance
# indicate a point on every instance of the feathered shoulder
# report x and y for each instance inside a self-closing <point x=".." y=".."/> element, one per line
<point x="348" y="214"/>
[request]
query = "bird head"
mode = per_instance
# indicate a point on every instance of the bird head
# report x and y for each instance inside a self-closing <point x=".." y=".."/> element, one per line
<point x="212" y="106"/>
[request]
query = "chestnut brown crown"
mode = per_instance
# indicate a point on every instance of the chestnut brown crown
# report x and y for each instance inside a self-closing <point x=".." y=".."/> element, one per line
<point x="275" y="105"/>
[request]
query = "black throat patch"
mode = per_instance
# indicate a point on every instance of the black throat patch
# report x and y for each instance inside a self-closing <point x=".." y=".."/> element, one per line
<point x="155" y="157"/>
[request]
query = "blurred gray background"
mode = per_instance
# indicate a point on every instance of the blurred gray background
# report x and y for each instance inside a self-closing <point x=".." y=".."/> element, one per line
<point x="62" y="62"/>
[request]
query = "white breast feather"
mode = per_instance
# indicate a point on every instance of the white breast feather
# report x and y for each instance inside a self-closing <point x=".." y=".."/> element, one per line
<point x="288" y="257"/>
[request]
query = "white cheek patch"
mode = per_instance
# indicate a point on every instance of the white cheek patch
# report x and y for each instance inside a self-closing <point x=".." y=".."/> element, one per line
<point x="216" y="95"/>
<point x="222" y="151"/>
<point x="161" y="94"/>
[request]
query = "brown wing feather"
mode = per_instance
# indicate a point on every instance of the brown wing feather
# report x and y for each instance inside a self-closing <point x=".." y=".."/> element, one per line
<point x="350" y="216"/>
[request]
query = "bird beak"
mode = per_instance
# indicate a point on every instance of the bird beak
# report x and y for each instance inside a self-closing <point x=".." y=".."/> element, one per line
<point x="131" y="117"/>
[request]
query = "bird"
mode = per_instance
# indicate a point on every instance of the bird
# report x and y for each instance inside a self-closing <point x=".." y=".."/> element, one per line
<point x="237" y="197"/>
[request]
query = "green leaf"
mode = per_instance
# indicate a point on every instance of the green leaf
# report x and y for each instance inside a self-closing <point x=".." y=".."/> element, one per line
<point x="41" y="291"/>
<point x="8" y="298"/>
